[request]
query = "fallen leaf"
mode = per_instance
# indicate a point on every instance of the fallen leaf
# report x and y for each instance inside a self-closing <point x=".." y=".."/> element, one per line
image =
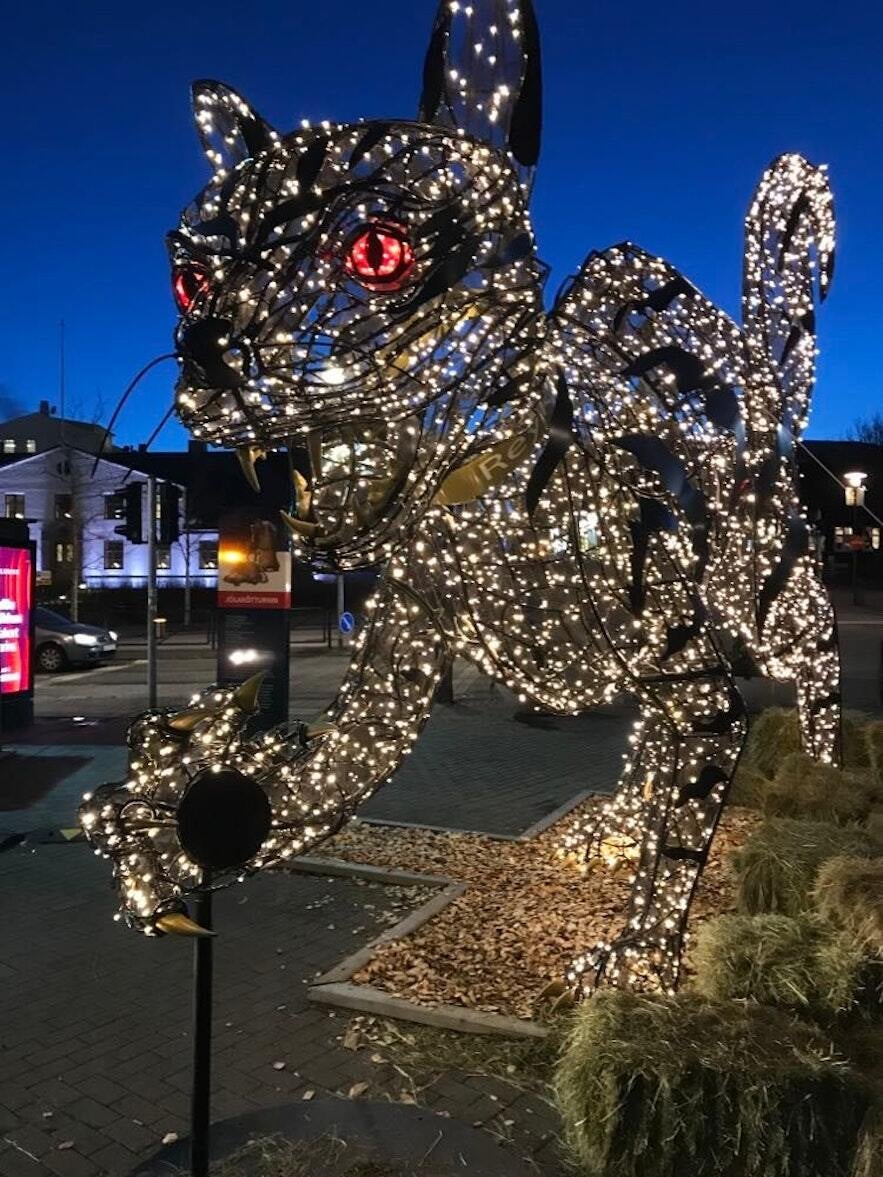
<point x="170" y="1138"/>
<point x="357" y="1089"/>
<point x="64" y="1144"/>
<point x="279" y="1066"/>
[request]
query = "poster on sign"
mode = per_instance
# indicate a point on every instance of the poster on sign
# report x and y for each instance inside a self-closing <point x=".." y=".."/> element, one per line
<point x="16" y="587"/>
<point x="252" y="572"/>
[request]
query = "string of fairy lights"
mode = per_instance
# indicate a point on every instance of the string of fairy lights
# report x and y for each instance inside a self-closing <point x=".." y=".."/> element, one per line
<point x="585" y="503"/>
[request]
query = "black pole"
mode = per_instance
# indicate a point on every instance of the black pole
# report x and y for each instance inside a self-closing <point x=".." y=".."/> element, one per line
<point x="202" y="1035"/>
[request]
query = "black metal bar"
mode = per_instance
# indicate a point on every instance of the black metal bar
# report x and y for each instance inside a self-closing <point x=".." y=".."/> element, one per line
<point x="200" y="1107"/>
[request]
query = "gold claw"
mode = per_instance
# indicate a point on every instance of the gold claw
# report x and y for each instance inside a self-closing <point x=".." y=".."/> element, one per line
<point x="248" y="455"/>
<point x="246" y="696"/>
<point x="186" y="721"/>
<point x="176" y="923"/>
<point x="314" y="730"/>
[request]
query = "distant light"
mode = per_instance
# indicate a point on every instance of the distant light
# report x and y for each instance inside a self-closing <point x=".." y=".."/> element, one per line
<point x="243" y="657"/>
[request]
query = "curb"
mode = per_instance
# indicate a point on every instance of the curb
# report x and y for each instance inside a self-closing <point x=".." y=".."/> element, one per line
<point x="335" y="986"/>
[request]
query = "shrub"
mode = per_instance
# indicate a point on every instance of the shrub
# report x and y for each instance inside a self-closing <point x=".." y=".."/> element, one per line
<point x="779" y="960"/>
<point x="806" y="788"/>
<point x="777" y="867"/>
<point x="652" y="1087"/>
<point x="849" y="893"/>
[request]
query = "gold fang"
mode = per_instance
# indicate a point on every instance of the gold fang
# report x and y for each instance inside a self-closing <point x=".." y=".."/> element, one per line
<point x="246" y="696"/>
<point x="474" y="478"/>
<point x="176" y="923"/>
<point x="248" y="455"/>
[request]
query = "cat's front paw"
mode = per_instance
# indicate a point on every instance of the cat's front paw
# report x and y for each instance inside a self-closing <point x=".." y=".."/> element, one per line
<point x="193" y="806"/>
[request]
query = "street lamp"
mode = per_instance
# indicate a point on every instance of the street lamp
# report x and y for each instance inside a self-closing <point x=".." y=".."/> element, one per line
<point x="855" y="497"/>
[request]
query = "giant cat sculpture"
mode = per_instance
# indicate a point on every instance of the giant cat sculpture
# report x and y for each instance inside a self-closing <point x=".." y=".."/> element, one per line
<point x="587" y="502"/>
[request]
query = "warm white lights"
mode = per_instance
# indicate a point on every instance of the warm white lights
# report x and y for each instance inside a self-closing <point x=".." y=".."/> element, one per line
<point x="590" y="502"/>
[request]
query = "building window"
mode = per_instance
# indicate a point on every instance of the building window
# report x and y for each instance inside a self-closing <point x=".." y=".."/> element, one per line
<point x="208" y="554"/>
<point x="163" y="558"/>
<point x="64" y="506"/>
<point x="9" y="445"/>
<point x="64" y="553"/>
<point x="839" y="538"/>
<point x="875" y="538"/>
<point x="15" y="506"/>
<point x="31" y="446"/>
<point x="115" y="506"/>
<point x="113" y="555"/>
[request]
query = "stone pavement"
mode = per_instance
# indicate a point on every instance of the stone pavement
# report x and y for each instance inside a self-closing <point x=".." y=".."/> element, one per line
<point x="94" y="1019"/>
<point x="474" y="767"/>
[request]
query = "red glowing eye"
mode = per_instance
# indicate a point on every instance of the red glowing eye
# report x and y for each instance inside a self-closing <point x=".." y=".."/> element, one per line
<point x="380" y="257"/>
<point x="188" y="284"/>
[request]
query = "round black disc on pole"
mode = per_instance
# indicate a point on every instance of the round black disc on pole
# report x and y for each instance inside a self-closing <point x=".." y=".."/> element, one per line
<point x="223" y="819"/>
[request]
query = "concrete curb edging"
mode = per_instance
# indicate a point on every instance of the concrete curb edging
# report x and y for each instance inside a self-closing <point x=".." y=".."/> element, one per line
<point x="367" y="999"/>
<point x="335" y="986"/>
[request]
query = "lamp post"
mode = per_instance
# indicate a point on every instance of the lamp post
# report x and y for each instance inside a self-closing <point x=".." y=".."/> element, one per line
<point x="855" y="497"/>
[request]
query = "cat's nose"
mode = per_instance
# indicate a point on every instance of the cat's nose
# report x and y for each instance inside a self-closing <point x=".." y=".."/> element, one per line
<point x="212" y="354"/>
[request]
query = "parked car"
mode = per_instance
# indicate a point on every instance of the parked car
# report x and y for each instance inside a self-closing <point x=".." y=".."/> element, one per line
<point x="60" y="642"/>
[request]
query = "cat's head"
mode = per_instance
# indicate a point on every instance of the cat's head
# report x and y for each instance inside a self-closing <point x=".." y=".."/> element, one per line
<point x="370" y="291"/>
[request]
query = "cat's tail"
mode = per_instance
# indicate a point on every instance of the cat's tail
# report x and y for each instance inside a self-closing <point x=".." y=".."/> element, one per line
<point x="789" y="262"/>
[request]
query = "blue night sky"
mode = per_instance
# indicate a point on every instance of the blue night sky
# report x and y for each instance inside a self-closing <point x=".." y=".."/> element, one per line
<point x="659" y="119"/>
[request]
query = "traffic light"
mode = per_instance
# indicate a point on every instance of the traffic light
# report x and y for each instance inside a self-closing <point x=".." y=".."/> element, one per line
<point x="133" y="528"/>
<point x="169" y="511"/>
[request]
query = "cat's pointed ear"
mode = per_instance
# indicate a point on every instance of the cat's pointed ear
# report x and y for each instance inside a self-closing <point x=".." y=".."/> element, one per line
<point x="482" y="75"/>
<point x="228" y="128"/>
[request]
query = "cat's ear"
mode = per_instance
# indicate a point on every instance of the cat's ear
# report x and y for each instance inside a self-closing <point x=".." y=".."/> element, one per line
<point x="228" y="128"/>
<point x="482" y="75"/>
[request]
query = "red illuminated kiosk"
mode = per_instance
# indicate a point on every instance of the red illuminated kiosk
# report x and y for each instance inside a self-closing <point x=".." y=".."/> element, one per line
<point x="18" y="558"/>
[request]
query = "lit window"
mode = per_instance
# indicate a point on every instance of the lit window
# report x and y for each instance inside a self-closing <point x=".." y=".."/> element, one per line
<point x="839" y="537"/>
<point x="875" y="538"/>
<point x="15" y="506"/>
<point x="163" y="558"/>
<point x="31" y="446"/>
<point x="64" y="553"/>
<point x="64" y="505"/>
<point x="208" y="554"/>
<point x="8" y="445"/>
<point x="114" y="554"/>
<point x="115" y="506"/>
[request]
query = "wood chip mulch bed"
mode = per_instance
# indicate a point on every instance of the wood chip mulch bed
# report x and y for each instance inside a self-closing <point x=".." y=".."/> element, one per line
<point x="524" y="916"/>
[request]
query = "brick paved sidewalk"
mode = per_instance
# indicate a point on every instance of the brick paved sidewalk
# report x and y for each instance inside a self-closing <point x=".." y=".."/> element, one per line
<point x="94" y="1019"/>
<point x="474" y="767"/>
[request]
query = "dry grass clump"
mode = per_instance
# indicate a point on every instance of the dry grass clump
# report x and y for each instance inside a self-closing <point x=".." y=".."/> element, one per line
<point x="849" y="893"/>
<point x="748" y="788"/>
<point x="328" y="1156"/>
<point x="805" y="788"/>
<point x="772" y="735"/>
<point x="779" y="960"/>
<point x="777" y="867"/>
<point x="650" y="1087"/>
<point x="874" y="745"/>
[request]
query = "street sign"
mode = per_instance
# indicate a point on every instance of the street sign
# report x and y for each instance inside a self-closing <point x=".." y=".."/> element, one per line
<point x="346" y="623"/>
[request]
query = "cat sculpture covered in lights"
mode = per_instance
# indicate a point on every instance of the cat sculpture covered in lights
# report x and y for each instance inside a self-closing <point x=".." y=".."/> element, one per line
<point x="587" y="502"/>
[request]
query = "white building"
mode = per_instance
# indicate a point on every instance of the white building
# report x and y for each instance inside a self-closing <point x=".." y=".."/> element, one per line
<point x="73" y="515"/>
